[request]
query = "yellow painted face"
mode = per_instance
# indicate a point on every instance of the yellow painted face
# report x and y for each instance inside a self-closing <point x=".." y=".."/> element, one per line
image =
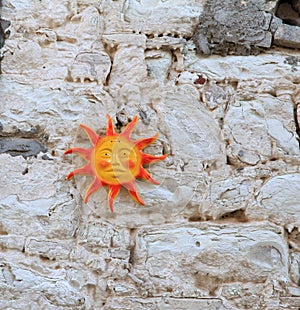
<point x="116" y="160"/>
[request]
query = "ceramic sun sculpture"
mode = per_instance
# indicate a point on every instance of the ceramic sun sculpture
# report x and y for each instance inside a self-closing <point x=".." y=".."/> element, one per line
<point x="115" y="161"/>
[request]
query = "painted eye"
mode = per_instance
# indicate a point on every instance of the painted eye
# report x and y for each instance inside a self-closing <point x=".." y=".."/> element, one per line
<point x="105" y="154"/>
<point x="124" y="153"/>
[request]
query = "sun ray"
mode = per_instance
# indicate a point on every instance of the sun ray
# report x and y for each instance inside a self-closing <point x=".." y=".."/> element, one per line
<point x="129" y="128"/>
<point x="144" y="174"/>
<point x="85" y="153"/>
<point x="113" y="192"/>
<point x="131" y="187"/>
<point x="110" y="131"/>
<point x="85" y="170"/>
<point x="114" y="161"/>
<point x="142" y="143"/>
<point x="90" y="133"/>
<point x="148" y="159"/>
<point x="92" y="189"/>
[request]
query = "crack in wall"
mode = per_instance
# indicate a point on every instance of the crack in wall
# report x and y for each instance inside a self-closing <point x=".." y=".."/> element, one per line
<point x="297" y="121"/>
<point x="296" y="101"/>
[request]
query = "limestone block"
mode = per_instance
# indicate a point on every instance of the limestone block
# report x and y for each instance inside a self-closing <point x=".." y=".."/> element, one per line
<point x="128" y="303"/>
<point x="20" y="282"/>
<point x="128" y="65"/>
<point x="294" y="265"/>
<point x="191" y="128"/>
<point x="254" y="119"/>
<point x="12" y="242"/>
<point x="196" y="259"/>
<point x="287" y="36"/>
<point x="33" y="218"/>
<point x="270" y="6"/>
<point x="233" y="28"/>
<point x="161" y="16"/>
<point x="285" y="139"/>
<point x="90" y="258"/>
<point x="97" y="234"/>
<point x="49" y="14"/>
<point x="158" y="64"/>
<point x="239" y="295"/>
<point x="90" y="67"/>
<point x="25" y="58"/>
<point x="90" y="26"/>
<point x="215" y="96"/>
<point x="268" y="66"/>
<point x="40" y="107"/>
<point x="278" y="201"/>
<point x="48" y="249"/>
<point x="228" y="195"/>
<point x="121" y="288"/>
<point x="37" y="209"/>
<point x="46" y="36"/>
<point x="42" y="174"/>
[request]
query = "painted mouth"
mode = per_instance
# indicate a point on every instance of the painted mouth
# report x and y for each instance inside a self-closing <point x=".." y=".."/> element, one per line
<point x="114" y="171"/>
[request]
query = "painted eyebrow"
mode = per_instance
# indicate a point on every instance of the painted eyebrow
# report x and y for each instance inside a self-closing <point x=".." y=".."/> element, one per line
<point x="125" y="149"/>
<point x="106" y="150"/>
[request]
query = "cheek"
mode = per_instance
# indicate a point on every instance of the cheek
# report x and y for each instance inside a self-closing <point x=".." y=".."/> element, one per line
<point x="131" y="164"/>
<point x="103" y="163"/>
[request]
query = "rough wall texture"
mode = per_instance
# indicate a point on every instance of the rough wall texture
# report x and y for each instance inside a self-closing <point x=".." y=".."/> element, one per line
<point x="222" y="229"/>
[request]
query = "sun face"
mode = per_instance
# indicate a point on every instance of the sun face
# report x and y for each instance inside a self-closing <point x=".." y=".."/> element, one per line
<point x="115" y="161"/>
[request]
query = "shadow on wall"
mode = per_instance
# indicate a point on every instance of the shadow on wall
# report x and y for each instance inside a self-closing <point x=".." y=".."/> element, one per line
<point x="289" y="12"/>
<point x="247" y="27"/>
<point x="4" y="32"/>
<point x="288" y="33"/>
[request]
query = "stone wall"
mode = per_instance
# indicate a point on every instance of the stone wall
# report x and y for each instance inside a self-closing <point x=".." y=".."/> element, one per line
<point x="222" y="229"/>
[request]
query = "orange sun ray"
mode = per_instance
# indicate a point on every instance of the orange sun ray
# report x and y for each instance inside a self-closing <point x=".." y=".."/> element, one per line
<point x="115" y="161"/>
<point x="142" y="143"/>
<point x="129" y="128"/>
<point x="110" y="131"/>
<point x="144" y="174"/>
<point x="113" y="192"/>
<point x="91" y="134"/>
<point x="92" y="189"/>
<point x="85" y="153"/>
<point x="131" y="187"/>
<point x="85" y="170"/>
<point x="148" y="159"/>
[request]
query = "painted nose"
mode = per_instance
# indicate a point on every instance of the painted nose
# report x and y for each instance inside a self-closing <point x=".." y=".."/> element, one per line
<point x="115" y="160"/>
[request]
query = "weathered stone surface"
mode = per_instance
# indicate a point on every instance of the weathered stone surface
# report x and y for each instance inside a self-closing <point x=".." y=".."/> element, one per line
<point x="267" y="67"/>
<point x="278" y="200"/>
<point x="221" y="231"/>
<point x="259" y="248"/>
<point x="21" y="146"/>
<point x="157" y="16"/>
<point x="163" y="304"/>
<point x="268" y="133"/>
<point x="90" y="67"/>
<point x="287" y="36"/>
<point x="233" y="27"/>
